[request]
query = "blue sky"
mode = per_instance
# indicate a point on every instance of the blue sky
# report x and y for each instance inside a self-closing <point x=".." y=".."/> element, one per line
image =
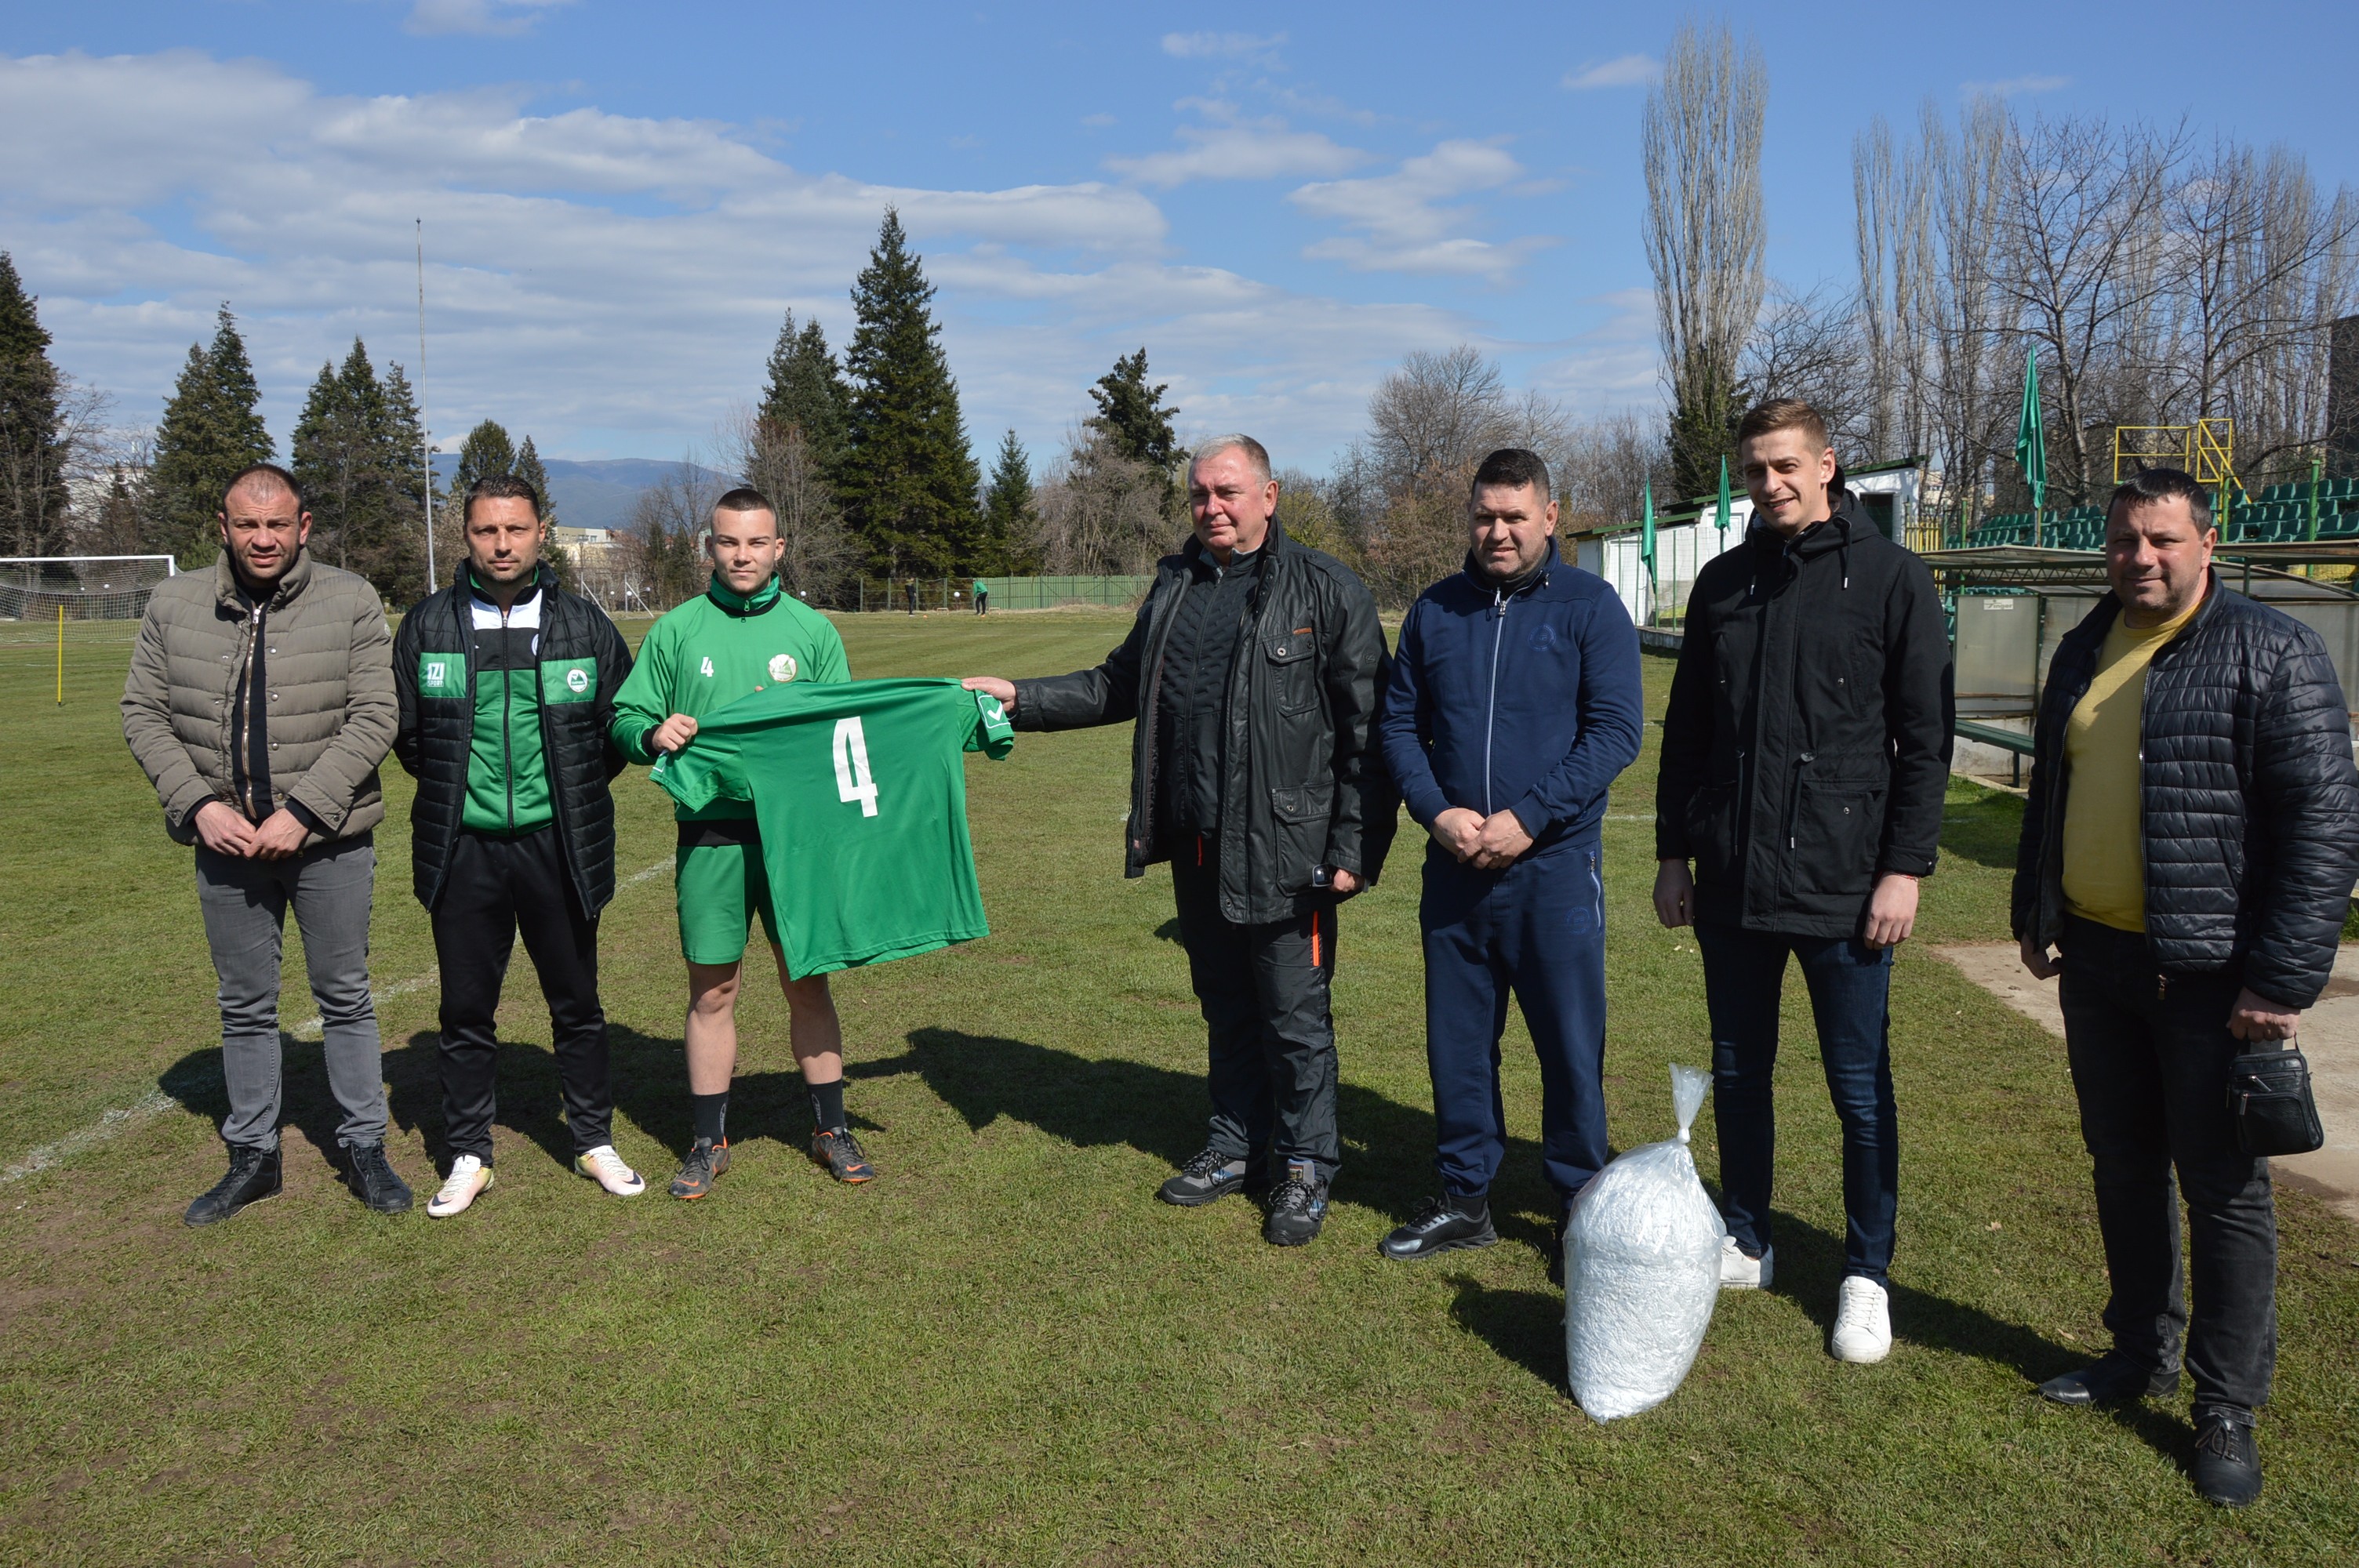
<point x="1278" y="202"/>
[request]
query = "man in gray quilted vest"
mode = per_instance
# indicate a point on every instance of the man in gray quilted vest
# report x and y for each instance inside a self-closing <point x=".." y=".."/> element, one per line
<point x="259" y="703"/>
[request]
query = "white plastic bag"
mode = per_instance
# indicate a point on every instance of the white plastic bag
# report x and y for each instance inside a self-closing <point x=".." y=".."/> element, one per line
<point x="1641" y="1270"/>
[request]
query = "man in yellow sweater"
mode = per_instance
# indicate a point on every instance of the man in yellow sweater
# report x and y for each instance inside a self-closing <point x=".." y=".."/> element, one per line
<point x="2189" y="843"/>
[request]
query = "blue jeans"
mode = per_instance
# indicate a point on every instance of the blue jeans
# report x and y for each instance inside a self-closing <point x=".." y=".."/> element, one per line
<point x="1538" y="929"/>
<point x="1744" y="973"/>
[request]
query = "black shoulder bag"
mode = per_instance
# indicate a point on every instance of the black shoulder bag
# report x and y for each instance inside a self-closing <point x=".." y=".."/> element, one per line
<point x="2268" y="1096"/>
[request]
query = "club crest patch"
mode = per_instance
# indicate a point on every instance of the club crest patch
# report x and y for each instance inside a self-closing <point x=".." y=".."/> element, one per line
<point x="782" y="667"/>
<point x="577" y="680"/>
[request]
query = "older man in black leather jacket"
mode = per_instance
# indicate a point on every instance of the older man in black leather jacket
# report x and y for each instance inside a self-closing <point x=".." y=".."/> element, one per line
<point x="2189" y="844"/>
<point x="1253" y="673"/>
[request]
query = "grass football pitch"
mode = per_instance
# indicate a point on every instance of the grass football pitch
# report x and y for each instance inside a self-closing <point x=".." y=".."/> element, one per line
<point x="1006" y="1350"/>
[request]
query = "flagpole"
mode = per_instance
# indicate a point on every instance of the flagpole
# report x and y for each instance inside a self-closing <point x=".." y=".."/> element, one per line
<point x="425" y="437"/>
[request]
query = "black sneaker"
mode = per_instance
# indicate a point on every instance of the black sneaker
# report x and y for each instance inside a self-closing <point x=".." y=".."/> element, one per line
<point x="839" y="1152"/>
<point x="374" y="1179"/>
<point x="2227" y="1460"/>
<point x="254" y="1175"/>
<point x="1207" y="1177"/>
<point x="705" y="1162"/>
<point x="1298" y="1206"/>
<point x="2113" y="1379"/>
<point x="1440" y="1225"/>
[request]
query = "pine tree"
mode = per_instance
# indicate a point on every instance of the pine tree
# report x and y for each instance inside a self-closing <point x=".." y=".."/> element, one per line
<point x="1131" y="414"/>
<point x="529" y="468"/>
<point x="1007" y="512"/>
<point x="32" y="445"/>
<point x="486" y="451"/>
<point x="910" y="483"/>
<point x="212" y="428"/>
<point x="399" y="565"/>
<point x="339" y="458"/>
<point x="807" y="391"/>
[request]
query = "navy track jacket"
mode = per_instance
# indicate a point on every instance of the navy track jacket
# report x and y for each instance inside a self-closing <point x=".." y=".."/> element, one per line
<point x="1527" y="701"/>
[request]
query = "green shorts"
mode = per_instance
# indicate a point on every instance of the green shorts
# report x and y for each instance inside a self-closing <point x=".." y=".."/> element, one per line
<point x="721" y="887"/>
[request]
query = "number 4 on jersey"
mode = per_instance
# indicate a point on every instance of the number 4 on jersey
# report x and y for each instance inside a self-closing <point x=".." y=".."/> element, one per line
<point x="852" y="778"/>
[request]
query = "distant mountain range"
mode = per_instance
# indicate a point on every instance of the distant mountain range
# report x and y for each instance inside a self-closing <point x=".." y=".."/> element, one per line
<point x="595" y="494"/>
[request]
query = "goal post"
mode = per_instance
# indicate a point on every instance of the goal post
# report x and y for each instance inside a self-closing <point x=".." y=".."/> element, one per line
<point x="80" y="588"/>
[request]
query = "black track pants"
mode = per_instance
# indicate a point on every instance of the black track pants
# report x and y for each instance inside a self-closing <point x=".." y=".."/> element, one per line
<point x="497" y="887"/>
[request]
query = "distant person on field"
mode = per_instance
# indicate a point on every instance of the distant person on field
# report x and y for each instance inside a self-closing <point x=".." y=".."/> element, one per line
<point x="1516" y="701"/>
<point x="1806" y="754"/>
<point x="910" y="588"/>
<point x="507" y="684"/>
<point x="740" y="634"/>
<point x="981" y="597"/>
<point x="2189" y="843"/>
<point x="1251" y="677"/>
<point x="259" y="703"/>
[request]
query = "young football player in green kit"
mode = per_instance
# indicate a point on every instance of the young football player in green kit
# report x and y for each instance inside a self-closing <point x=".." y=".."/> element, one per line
<point x="740" y="635"/>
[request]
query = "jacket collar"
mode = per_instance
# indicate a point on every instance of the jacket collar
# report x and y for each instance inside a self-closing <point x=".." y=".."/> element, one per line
<point x="543" y="581"/>
<point x="1273" y="544"/>
<point x="736" y="603"/>
<point x="2109" y="608"/>
<point x="229" y="590"/>
<point x="1535" y="578"/>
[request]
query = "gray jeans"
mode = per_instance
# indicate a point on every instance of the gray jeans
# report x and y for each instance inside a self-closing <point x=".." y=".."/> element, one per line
<point x="245" y="903"/>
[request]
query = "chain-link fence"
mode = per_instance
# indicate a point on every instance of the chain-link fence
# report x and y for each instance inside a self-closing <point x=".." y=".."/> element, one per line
<point x="912" y="595"/>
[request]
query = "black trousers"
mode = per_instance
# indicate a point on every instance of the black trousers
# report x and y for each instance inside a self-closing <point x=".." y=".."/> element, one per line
<point x="497" y="887"/>
<point x="1263" y="991"/>
<point x="2150" y="1067"/>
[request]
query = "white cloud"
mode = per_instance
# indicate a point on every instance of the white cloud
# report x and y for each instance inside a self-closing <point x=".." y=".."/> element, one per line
<point x="608" y="283"/>
<point x="1623" y="71"/>
<point x="2014" y="86"/>
<point x="1403" y="227"/>
<point x="1234" y="147"/>
<point x="480" y="18"/>
<point x="1224" y="46"/>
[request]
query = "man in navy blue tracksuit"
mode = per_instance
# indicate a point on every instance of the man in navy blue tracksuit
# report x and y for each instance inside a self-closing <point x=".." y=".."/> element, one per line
<point x="1514" y="703"/>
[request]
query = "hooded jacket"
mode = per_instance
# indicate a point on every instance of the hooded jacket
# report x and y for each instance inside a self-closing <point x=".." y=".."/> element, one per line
<point x="1806" y="749"/>
<point x="1523" y="697"/>
<point x="1301" y="787"/>
<point x="578" y="662"/>
<point x="2247" y="793"/>
<point x="326" y="653"/>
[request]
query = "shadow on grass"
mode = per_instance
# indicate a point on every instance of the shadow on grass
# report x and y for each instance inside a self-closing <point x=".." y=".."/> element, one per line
<point x="1984" y="831"/>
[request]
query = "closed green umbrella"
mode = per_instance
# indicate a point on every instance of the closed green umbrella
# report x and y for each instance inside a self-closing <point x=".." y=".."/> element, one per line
<point x="2031" y="441"/>
<point x="1723" y="515"/>
<point x="1646" y="544"/>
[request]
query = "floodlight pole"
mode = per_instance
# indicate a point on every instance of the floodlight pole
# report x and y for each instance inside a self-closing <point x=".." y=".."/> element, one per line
<point x="425" y="434"/>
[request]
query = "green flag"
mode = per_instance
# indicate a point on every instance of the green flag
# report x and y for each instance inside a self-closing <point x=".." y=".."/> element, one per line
<point x="2030" y="441"/>
<point x="1646" y="533"/>
<point x="1722" y="516"/>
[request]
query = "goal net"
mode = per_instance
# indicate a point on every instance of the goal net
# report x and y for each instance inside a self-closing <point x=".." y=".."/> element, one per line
<point x="85" y="588"/>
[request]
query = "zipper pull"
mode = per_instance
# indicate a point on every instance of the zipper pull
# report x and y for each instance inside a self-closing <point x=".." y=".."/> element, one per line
<point x="2161" y="987"/>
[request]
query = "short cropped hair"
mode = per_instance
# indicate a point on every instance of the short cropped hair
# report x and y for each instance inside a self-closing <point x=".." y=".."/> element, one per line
<point x="270" y="471"/>
<point x="2149" y="485"/>
<point x="499" y="487"/>
<point x="1783" y="414"/>
<point x="1514" y="468"/>
<point x="1254" y="450"/>
<point x="745" y="498"/>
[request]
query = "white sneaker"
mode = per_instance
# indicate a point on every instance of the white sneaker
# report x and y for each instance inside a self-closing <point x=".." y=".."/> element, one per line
<point x="1738" y="1272"/>
<point x="605" y="1167"/>
<point x="470" y="1179"/>
<point x="1863" y="1322"/>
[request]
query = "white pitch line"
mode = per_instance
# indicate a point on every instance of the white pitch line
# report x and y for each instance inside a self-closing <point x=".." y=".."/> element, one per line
<point x="313" y="1027"/>
<point x="156" y="1102"/>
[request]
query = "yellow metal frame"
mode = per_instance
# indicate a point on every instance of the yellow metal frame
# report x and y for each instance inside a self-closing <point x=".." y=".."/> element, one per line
<point x="2206" y="449"/>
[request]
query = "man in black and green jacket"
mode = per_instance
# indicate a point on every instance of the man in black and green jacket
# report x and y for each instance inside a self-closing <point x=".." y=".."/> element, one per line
<point x="506" y="685"/>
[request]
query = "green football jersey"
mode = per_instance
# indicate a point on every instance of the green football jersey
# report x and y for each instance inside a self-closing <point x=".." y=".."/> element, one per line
<point x="718" y="647"/>
<point x="859" y="790"/>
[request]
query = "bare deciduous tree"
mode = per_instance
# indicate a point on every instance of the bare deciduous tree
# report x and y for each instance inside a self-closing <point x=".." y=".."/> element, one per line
<point x="776" y="459"/>
<point x="1100" y="514"/>
<point x="1702" y="131"/>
